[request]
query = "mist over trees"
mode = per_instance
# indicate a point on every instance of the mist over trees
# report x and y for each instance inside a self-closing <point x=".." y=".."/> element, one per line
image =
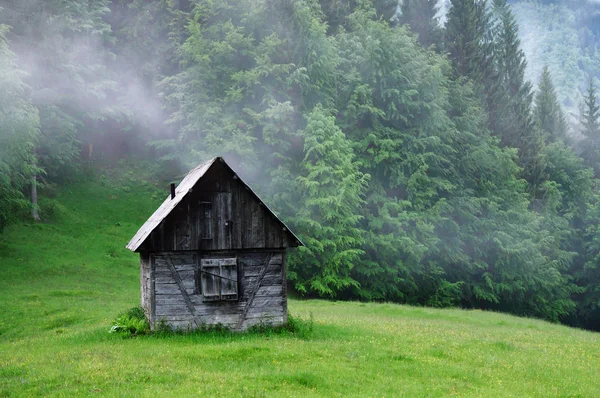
<point x="415" y="160"/>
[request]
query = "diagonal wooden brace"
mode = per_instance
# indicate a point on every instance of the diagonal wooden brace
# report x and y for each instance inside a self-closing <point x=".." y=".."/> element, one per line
<point x="186" y="298"/>
<point x="261" y="276"/>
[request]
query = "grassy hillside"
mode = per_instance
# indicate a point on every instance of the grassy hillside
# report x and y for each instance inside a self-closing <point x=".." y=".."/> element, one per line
<point x="64" y="281"/>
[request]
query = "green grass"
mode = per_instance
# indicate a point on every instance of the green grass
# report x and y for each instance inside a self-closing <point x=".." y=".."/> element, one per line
<point x="63" y="283"/>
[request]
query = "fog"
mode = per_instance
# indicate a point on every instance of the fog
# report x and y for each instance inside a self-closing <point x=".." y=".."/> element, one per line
<point x="70" y="61"/>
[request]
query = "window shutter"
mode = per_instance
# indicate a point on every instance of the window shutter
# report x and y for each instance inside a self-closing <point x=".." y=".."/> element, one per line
<point x="219" y="279"/>
<point x="210" y="275"/>
<point x="229" y="279"/>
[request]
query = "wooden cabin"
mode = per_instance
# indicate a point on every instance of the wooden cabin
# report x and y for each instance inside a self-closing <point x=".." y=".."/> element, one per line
<point x="213" y="253"/>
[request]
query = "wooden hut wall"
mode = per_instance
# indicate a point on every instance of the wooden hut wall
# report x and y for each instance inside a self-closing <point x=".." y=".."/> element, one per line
<point x="145" y="283"/>
<point x="223" y="216"/>
<point x="179" y="302"/>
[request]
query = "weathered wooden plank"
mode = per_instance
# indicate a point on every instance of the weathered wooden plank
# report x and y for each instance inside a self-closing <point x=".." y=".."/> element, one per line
<point x="145" y="283"/>
<point x="254" y="271"/>
<point x="220" y="220"/>
<point x="225" y="201"/>
<point x="268" y="280"/>
<point x="164" y="279"/>
<point x="253" y="291"/>
<point x="278" y="232"/>
<point x="253" y="258"/>
<point x="269" y="232"/>
<point x="178" y="316"/>
<point x="204" y="221"/>
<point x="276" y="259"/>
<point x="227" y="319"/>
<point x="237" y="216"/>
<point x="169" y="299"/>
<point x="215" y="262"/>
<point x="255" y="266"/>
<point x="152" y="291"/>
<point x="187" y="275"/>
<point x="184" y="293"/>
<point x="218" y="310"/>
<point x="274" y="320"/>
<point x="258" y="226"/>
<point x="246" y="219"/>
<point x="284" y="284"/>
<point x="181" y="324"/>
<point x="188" y="283"/>
<point x="172" y="310"/>
<point x="200" y="303"/>
<point x="190" y="267"/>
<point x="166" y="288"/>
<point x="251" y="272"/>
<point x="188" y="271"/>
<point x="182" y="258"/>
<point x="265" y="313"/>
<point x="266" y="302"/>
<point x="267" y="308"/>
<point x="210" y="283"/>
<point x="269" y="291"/>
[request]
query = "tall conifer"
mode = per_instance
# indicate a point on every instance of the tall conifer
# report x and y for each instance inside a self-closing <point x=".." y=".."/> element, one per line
<point x="420" y="15"/>
<point x="510" y="116"/>
<point x="548" y="114"/>
<point x="333" y="189"/>
<point x="591" y="128"/>
<point x="591" y="113"/>
<point x="465" y="33"/>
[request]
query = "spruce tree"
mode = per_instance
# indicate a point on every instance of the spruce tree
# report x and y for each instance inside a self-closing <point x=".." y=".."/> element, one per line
<point x="465" y="33"/>
<point x="420" y="15"/>
<point x="333" y="189"/>
<point x="591" y="114"/>
<point x="510" y="111"/>
<point x="590" y="124"/>
<point x="548" y="114"/>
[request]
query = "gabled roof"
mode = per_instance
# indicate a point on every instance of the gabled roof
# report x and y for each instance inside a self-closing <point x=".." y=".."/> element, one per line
<point x="184" y="187"/>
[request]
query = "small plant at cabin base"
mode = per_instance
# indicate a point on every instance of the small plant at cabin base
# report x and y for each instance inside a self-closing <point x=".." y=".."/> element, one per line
<point x="132" y="323"/>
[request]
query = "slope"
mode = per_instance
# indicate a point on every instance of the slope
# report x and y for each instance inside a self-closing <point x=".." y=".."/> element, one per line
<point x="65" y="280"/>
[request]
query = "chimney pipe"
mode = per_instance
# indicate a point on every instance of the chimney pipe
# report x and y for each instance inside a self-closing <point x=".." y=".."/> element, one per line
<point x="172" y="191"/>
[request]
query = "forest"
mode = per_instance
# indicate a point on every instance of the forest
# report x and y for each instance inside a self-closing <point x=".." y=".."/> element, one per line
<point x="406" y="146"/>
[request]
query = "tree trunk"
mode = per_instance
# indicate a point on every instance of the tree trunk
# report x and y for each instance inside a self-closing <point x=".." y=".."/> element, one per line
<point x="34" y="199"/>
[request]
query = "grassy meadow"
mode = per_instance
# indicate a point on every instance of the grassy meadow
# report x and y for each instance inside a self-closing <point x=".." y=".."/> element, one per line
<point x="63" y="282"/>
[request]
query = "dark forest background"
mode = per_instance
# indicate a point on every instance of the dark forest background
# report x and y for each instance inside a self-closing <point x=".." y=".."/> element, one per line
<point x="406" y="144"/>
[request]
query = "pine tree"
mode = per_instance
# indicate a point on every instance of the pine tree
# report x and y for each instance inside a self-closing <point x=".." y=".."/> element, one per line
<point x="420" y="15"/>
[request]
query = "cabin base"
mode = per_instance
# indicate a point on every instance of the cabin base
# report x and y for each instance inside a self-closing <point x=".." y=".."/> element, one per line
<point x="236" y="289"/>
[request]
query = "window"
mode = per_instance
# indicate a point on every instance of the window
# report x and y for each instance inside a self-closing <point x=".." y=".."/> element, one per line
<point x="219" y="279"/>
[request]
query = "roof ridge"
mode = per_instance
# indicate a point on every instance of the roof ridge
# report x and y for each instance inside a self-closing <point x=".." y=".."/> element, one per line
<point x="183" y="188"/>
